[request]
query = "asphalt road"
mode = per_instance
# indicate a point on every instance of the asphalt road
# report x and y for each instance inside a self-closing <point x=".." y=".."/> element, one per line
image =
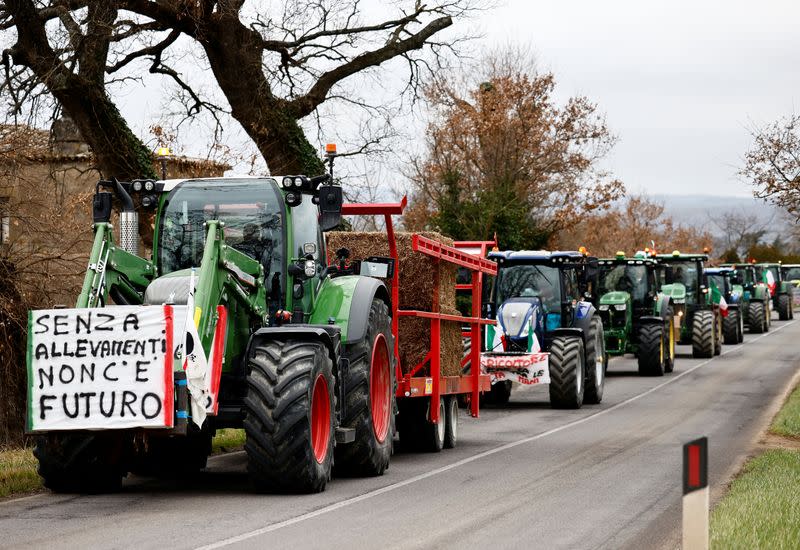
<point x="523" y="476"/>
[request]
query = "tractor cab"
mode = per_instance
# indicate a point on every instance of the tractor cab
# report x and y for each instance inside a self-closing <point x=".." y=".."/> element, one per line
<point x="754" y="299"/>
<point x="780" y="289"/>
<point x="725" y="279"/>
<point x="791" y="273"/>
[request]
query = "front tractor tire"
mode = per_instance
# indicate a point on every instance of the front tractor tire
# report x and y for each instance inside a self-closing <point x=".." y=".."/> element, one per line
<point x="596" y="362"/>
<point x="785" y="307"/>
<point x="369" y="402"/>
<point x="73" y="463"/>
<point x="704" y="333"/>
<point x="731" y="326"/>
<point x="756" y="317"/>
<point x="289" y="411"/>
<point x="651" y="350"/>
<point x="567" y="372"/>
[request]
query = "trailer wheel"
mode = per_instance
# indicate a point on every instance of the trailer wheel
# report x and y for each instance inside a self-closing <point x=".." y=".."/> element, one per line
<point x="369" y="399"/>
<point x="567" y="372"/>
<point x="289" y="411"/>
<point x="652" y="350"/>
<point x="669" y="344"/>
<point x="596" y="362"/>
<point x="784" y="307"/>
<point x="756" y="317"/>
<point x="730" y="327"/>
<point x="433" y="435"/>
<point x="71" y="463"/>
<point x="703" y="334"/>
<point x="451" y="423"/>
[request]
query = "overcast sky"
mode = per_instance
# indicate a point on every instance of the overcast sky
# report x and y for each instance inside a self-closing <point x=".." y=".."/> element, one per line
<point x="681" y="81"/>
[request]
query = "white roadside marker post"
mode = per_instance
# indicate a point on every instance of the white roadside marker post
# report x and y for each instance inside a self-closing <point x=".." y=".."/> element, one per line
<point x="695" y="495"/>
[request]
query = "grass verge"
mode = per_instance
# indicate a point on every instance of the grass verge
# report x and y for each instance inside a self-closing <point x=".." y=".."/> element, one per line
<point x="227" y="440"/>
<point x="762" y="506"/>
<point x="18" y="472"/>
<point x="787" y="421"/>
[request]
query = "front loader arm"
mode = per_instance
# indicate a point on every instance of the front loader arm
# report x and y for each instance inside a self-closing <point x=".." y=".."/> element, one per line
<point x="113" y="269"/>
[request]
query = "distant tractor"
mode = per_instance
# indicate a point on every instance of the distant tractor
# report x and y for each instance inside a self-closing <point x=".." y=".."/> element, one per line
<point x="546" y="332"/>
<point x="698" y="318"/>
<point x="755" y="307"/>
<point x="722" y="278"/>
<point x="779" y="289"/>
<point x="637" y="318"/>
<point x="791" y="274"/>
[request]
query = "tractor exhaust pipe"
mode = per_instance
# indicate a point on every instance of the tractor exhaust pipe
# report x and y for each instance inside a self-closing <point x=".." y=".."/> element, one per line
<point x="128" y="220"/>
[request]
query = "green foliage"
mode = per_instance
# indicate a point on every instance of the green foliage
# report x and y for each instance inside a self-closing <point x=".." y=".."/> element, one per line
<point x="730" y="256"/>
<point x="772" y="253"/>
<point x="787" y="422"/>
<point x="227" y="440"/>
<point x="762" y="508"/>
<point x="18" y="472"/>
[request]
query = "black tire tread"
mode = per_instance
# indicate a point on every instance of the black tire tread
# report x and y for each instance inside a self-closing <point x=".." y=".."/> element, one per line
<point x="73" y="463"/>
<point x="593" y="393"/>
<point x="730" y="327"/>
<point x="703" y="343"/>
<point x="755" y="317"/>
<point x="566" y="353"/>
<point x="651" y="339"/>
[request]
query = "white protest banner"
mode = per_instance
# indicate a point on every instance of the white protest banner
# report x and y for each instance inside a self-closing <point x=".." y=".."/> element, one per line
<point x="101" y="368"/>
<point x="525" y="368"/>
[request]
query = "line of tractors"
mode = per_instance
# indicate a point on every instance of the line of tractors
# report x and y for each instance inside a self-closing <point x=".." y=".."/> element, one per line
<point x="301" y="348"/>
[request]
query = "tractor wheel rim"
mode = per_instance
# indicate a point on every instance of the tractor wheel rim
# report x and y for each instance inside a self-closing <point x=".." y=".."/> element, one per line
<point x="671" y="340"/>
<point x="320" y="418"/>
<point x="440" y="424"/>
<point x="380" y="388"/>
<point x="579" y="377"/>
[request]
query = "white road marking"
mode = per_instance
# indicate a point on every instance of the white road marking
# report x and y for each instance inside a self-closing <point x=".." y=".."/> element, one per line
<point x="365" y="496"/>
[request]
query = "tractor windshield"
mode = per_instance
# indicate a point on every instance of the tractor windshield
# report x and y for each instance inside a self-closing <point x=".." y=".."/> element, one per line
<point x="718" y="280"/>
<point x="625" y="278"/>
<point x="744" y="275"/>
<point x="515" y="281"/>
<point x="686" y="273"/>
<point x="791" y="273"/>
<point x="250" y="208"/>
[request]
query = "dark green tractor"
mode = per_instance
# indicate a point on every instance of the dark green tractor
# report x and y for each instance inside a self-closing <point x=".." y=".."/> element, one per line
<point x="637" y="317"/>
<point x="305" y="351"/>
<point x="755" y="305"/>
<point x="698" y="319"/>
<point x="791" y="274"/>
<point x="723" y="280"/>
<point x="780" y="289"/>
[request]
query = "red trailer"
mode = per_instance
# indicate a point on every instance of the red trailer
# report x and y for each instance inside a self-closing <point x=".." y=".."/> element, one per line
<point x="426" y="399"/>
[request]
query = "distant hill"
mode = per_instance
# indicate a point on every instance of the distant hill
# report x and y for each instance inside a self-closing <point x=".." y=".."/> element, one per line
<point x="698" y="210"/>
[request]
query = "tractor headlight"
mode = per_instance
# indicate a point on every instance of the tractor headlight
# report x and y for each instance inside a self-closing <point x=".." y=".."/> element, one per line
<point x="149" y="201"/>
<point x="603" y="307"/>
<point x="287" y="182"/>
<point x="620" y="307"/>
<point x="298" y="181"/>
<point x="310" y="268"/>
<point x="137" y="186"/>
<point x="149" y="185"/>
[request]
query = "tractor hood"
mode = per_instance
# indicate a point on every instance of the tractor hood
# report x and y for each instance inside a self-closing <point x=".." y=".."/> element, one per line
<point x="614" y="298"/>
<point x="172" y="288"/>
<point x="676" y="291"/>
<point x="516" y="316"/>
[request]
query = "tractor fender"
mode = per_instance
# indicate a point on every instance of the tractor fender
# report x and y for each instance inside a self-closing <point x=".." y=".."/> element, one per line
<point x="329" y="335"/>
<point x="785" y="288"/>
<point x="584" y="312"/>
<point x="760" y="293"/>
<point x="651" y="320"/>
<point x="663" y="303"/>
<point x="345" y="302"/>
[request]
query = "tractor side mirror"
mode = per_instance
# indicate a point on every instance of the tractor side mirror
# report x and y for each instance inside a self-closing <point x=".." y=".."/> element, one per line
<point x="330" y="206"/>
<point x="101" y="207"/>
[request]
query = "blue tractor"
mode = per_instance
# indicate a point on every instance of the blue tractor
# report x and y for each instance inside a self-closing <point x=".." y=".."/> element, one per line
<point x="547" y="332"/>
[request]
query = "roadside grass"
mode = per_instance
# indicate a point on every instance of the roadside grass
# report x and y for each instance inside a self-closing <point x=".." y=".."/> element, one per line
<point x="762" y="506"/>
<point x="227" y="440"/>
<point x="18" y="472"/>
<point x="787" y="421"/>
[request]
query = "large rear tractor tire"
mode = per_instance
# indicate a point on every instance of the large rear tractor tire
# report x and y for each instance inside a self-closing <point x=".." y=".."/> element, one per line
<point x="596" y="362"/>
<point x="703" y="334"/>
<point x="730" y="327"/>
<point x="756" y="319"/>
<point x="567" y="372"/>
<point x="289" y="411"/>
<point x="72" y="463"/>
<point x="369" y="401"/>
<point x="784" y="307"/>
<point x="651" y="350"/>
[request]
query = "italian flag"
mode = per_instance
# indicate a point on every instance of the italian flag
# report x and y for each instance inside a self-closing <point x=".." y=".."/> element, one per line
<point x="769" y="278"/>
<point x="719" y="299"/>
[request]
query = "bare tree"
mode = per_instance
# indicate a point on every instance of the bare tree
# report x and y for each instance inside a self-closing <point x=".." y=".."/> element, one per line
<point x="740" y="230"/>
<point x="773" y="163"/>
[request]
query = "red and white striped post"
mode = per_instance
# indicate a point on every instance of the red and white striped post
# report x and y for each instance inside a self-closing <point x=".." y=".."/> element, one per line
<point x="695" y="495"/>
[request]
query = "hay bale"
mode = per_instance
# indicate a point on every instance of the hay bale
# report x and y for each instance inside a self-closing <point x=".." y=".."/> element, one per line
<point x="415" y="292"/>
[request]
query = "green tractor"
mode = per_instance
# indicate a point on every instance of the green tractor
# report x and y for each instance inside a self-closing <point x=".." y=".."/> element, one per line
<point x="754" y="302"/>
<point x="698" y="317"/>
<point x="637" y="318"/>
<point x="780" y="289"/>
<point x="791" y="274"/>
<point x="303" y="352"/>
<point x="722" y="280"/>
